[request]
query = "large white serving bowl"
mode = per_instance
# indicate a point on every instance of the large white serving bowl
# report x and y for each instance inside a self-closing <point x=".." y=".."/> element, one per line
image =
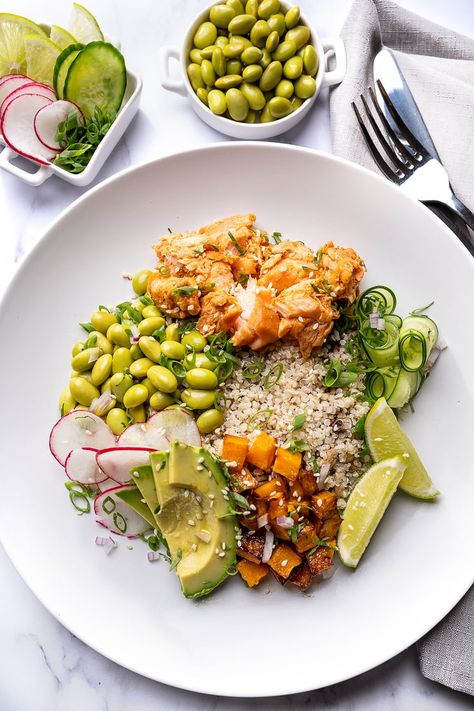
<point x="239" y="642"/>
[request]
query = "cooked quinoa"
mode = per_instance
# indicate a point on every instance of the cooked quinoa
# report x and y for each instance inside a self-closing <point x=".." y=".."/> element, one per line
<point x="331" y="413"/>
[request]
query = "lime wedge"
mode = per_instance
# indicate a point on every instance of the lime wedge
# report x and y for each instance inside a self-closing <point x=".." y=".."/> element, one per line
<point x="61" y="37"/>
<point x="385" y="438"/>
<point x="83" y="25"/>
<point x="41" y="55"/>
<point x="12" y="48"/>
<point x="366" y="506"/>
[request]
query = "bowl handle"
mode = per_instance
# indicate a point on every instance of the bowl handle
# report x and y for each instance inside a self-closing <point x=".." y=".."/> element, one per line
<point x="334" y="47"/>
<point x="36" y="178"/>
<point x="167" y="82"/>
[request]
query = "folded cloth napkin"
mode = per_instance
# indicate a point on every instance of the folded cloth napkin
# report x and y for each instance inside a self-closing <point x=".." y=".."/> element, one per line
<point x="438" y="65"/>
<point x="439" y="68"/>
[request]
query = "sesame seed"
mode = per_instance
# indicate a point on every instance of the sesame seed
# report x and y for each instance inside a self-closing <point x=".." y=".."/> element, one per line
<point x="211" y="496"/>
<point x="136" y="474"/>
<point x="350" y="527"/>
<point x="143" y="428"/>
<point x="378" y="439"/>
<point x="143" y="501"/>
<point x="200" y="468"/>
<point x="87" y="432"/>
<point x="191" y="522"/>
<point x="253" y="507"/>
<point x="284" y="562"/>
<point x="194" y="547"/>
<point x="217" y="551"/>
<point x="201" y="460"/>
<point x="203" y="535"/>
<point x="211" y="504"/>
<point x="223" y="546"/>
<point x="406" y="455"/>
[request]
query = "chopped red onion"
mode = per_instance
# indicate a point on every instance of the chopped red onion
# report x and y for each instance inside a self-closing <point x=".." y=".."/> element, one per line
<point x="135" y="337"/>
<point x="374" y="320"/>
<point x="100" y="540"/>
<point x="109" y="545"/>
<point x="268" y="545"/>
<point x="101" y="403"/>
<point x="152" y="555"/>
<point x="262" y="520"/>
<point x="94" y="354"/>
<point x="323" y="472"/>
<point x="284" y="521"/>
<point x="380" y="324"/>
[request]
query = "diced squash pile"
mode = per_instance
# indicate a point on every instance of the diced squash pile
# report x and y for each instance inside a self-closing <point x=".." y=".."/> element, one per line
<point x="278" y="488"/>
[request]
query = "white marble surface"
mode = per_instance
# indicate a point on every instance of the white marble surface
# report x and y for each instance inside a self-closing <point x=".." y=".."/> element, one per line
<point x="42" y="666"/>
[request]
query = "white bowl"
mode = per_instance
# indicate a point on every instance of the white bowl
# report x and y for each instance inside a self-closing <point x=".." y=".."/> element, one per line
<point x="325" y="47"/>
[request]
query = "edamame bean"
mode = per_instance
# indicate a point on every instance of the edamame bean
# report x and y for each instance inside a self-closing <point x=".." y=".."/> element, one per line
<point x="139" y="368"/>
<point x="119" y="384"/>
<point x="284" y="51"/>
<point x="285" y="88"/>
<point x="218" y="62"/>
<point x="138" y="414"/>
<point x="135" y="396"/>
<point x="299" y="35"/>
<point x="149" y="386"/>
<point x="194" y="339"/>
<point x="121" y="360"/>
<point x="221" y="42"/>
<point x="251" y="8"/>
<point x="101" y="320"/>
<point x="82" y="391"/>
<point x="102" y="341"/>
<point x="234" y="66"/>
<point x="310" y="60"/>
<point x="207" y="72"/>
<point x="150" y="348"/>
<point x="150" y="324"/>
<point x="305" y="87"/>
<point x="195" y="76"/>
<point x="162" y="378"/>
<point x="236" y="5"/>
<point x="254" y="96"/>
<point x="77" y="348"/>
<point x="172" y="332"/>
<point x="159" y="401"/>
<point x="66" y="402"/>
<point x="105" y="386"/>
<point x="266" y="116"/>
<point x="259" y="33"/>
<point x="198" y="399"/>
<point x="135" y="351"/>
<point x="140" y="281"/>
<point x="209" y="421"/>
<point x="292" y="17"/>
<point x="117" y="420"/>
<point x="236" y="46"/>
<point x="266" y="58"/>
<point x="102" y="369"/>
<point x="116" y="334"/>
<point x="279" y="107"/>
<point x="206" y="53"/>
<point x="86" y="374"/>
<point x="173" y="350"/>
<point x="271" y="76"/>
<point x="272" y="41"/>
<point x="221" y="15"/>
<point x="86" y="359"/>
<point x="201" y="378"/>
<point x="277" y="22"/>
<point x="252" y="116"/>
<point x="150" y="310"/>
<point x="241" y="24"/>
<point x="205" y="35"/>
<point x="251" y="55"/>
<point x="296" y="102"/>
<point x="268" y="8"/>
<point x="199" y="360"/>
<point x="237" y="105"/>
<point x="229" y="81"/>
<point x="217" y="102"/>
<point x="293" y="68"/>
<point x="202" y="95"/>
<point x="252" y="73"/>
<point x="195" y="56"/>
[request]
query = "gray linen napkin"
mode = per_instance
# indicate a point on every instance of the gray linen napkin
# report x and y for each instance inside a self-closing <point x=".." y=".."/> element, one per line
<point x="438" y="65"/>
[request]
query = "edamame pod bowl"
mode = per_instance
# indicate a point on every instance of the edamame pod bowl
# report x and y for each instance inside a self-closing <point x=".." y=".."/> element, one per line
<point x="362" y="619"/>
<point x="245" y="122"/>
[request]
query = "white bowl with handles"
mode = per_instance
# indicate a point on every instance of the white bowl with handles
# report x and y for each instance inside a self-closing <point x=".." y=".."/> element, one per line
<point x="326" y="47"/>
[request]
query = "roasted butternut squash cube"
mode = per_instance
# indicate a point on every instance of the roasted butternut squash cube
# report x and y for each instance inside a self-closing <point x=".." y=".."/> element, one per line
<point x="321" y="558"/>
<point x="262" y="452"/>
<point x="330" y="526"/>
<point x="295" y="489"/>
<point x="277" y="507"/>
<point x="308" y="482"/>
<point x="281" y="533"/>
<point x="324" y="504"/>
<point x="301" y="577"/>
<point x="234" y="450"/>
<point x="287" y="463"/>
<point x="270" y="490"/>
<point x="249" y="522"/>
<point x="251" y="546"/>
<point x="306" y="538"/>
<point x="252" y="573"/>
<point x="299" y="508"/>
<point x="243" y="480"/>
<point x="261" y="506"/>
<point x="283" y="560"/>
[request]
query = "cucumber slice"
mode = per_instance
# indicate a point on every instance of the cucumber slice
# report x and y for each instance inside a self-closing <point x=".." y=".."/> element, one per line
<point x="97" y="77"/>
<point x="405" y="389"/>
<point x="62" y="65"/>
<point x="418" y="335"/>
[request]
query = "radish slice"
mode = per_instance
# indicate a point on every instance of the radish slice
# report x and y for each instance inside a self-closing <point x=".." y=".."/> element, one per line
<point x="32" y="87"/>
<point x="10" y="83"/>
<point x="161" y="429"/>
<point x="77" y="429"/>
<point x="143" y="435"/>
<point x="49" y="117"/>
<point x="81" y="466"/>
<point x="17" y="127"/>
<point x="118" y="516"/>
<point x="117" y="462"/>
<point x="106" y="485"/>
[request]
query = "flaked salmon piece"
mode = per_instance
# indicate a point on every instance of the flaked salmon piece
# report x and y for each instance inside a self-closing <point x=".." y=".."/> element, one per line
<point x="210" y="272"/>
<point x="176" y="296"/>
<point x="219" y="312"/>
<point x="219" y="229"/>
<point x="286" y="264"/>
<point x="342" y="269"/>
<point x="259" y="322"/>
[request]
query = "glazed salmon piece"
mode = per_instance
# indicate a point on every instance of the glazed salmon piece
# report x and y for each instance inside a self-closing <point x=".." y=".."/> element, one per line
<point x="219" y="312"/>
<point x="286" y="264"/>
<point x="220" y="228"/>
<point x="259" y="322"/>
<point x="342" y="268"/>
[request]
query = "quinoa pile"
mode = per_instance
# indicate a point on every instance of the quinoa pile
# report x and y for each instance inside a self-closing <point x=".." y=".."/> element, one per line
<point x="331" y="413"/>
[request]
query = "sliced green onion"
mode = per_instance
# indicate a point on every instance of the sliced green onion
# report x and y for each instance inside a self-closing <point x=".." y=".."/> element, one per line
<point x="120" y="522"/>
<point x="220" y="402"/>
<point x="224" y="371"/>
<point x="273" y="376"/>
<point x="377" y="299"/>
<point x="177" y="368"/>
<point x="240" y="250"/>
<point x="259" y="419"/>
<point x="253" y="370"/>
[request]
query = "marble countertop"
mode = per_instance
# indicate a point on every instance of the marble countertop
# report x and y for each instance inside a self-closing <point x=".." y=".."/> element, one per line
<point x="43" y="667"/>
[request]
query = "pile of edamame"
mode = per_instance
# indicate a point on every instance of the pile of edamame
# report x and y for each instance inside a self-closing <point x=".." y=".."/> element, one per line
<point x="164" y="365"/>
<point x="252" y="61"/>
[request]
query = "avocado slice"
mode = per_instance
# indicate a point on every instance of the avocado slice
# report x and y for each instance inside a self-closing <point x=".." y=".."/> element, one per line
<point x="194" y="517"/>
<point x="144" y="479"/>
<point x="133" y="497"/>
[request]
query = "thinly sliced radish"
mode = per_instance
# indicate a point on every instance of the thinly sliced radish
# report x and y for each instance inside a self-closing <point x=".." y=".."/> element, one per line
<point x="106" y="485"/>
<point x="117" y="516"/>
<point x="117" y="462"/>
<point x="160" y="430"/>
<point x="32" y="87"/>
<point x="81" y="465"/>
<point x="17" y="127"/>
<point x="10" y="83"/>
<point x="49" y="117"/>
<point x="143" y="435"/>
<point x="77" y="429"/>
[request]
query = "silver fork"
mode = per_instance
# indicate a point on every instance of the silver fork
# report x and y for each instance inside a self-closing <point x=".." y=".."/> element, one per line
<point x="410" y="165"/>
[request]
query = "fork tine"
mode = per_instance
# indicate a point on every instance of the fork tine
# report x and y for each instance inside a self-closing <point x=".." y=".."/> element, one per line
<point x="389" y="151"/>
<point x="385" y="169"/>
<point x="393" y="136"/>
<point x="408" y="135"/>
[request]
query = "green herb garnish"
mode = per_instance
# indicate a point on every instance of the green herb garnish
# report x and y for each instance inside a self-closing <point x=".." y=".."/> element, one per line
<point x="298" y="422"/>
<point x="277" y="237"/>
<point x="184" y="291"/>
<point x="240" y="250"/>
<point x="79" y="142"/>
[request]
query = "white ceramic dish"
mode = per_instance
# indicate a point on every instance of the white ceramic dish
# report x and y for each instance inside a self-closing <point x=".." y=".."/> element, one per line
<point x="326" y="47"/>
<point x="421" y="559"/>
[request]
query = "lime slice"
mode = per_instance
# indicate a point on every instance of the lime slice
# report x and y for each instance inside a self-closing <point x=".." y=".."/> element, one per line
<point x="83" y="25"/>
<point x="366" y="506"/>
<point x="385" y="438"/>
<point x="62" y="65"/>
<point x="61" y="37"/>
<point x="12" y="47"/>
<point x="41" y="55"/>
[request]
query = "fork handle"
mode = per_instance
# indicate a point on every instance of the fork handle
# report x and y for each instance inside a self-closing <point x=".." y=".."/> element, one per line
<point x="455" y="223"/>
<point x="463" y="211"/>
